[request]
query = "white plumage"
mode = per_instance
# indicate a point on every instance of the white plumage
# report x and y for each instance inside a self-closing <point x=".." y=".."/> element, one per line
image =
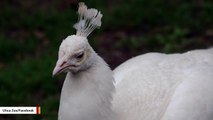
<point x="152" y="86"/>
<point x="157" y="86"/>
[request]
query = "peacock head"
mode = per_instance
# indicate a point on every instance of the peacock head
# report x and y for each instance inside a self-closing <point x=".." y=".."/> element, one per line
<point x="75" y="53"/>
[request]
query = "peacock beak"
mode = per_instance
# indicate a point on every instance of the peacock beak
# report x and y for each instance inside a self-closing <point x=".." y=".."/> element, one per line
<point x="61" y="66"/>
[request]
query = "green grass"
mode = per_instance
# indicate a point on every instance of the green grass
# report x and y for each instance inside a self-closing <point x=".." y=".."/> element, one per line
<point x="31" y="34"/>
<point x="29" y="83"/>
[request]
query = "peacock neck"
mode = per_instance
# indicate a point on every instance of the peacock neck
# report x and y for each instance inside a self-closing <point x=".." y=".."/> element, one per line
<point x="87" y="95"/>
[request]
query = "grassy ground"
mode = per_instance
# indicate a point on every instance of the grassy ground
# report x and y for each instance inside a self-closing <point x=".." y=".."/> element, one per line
<point x="31" y="31"/>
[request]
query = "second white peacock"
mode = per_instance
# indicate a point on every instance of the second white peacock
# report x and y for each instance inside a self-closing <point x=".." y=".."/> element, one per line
<point x="153" y="86"/>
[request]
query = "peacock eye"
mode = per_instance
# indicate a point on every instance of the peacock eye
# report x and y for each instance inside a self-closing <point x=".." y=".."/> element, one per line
<point x="79" y="55"/>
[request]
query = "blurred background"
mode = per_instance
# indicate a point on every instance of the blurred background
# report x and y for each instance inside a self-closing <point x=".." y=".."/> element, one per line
<point x="32" y="30"/>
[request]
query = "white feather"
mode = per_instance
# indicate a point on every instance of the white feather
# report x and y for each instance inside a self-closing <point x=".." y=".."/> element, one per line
<point x="157" y="86"/>
<point x="89" y="20"/>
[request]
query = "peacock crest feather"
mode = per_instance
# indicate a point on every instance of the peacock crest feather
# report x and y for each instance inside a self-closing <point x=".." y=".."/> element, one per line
<point x="89" y="20"/>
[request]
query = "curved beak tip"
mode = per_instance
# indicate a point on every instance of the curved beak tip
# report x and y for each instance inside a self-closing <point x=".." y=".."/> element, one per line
<point x="56" y="71"/>
<point x="60" y="67"/>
